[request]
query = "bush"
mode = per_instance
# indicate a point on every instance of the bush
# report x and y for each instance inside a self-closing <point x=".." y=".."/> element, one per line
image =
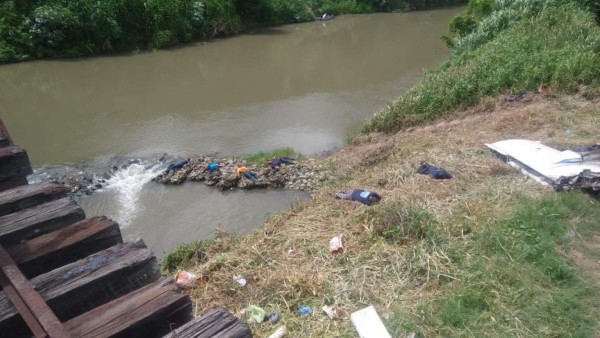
<point x="54" y="28"/>
<point x="81" y="27"/>
<point x="462" y="24"/>
<point x="277" y="12"/>
<point x="15" y="41"/>
<point x="221" y="17"/>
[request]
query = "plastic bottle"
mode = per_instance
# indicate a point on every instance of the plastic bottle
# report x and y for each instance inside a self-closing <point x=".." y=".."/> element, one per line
<point x="280" y="332"/>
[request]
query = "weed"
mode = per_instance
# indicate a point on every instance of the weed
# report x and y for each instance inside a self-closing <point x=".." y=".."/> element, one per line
<point x="261" y="157"/>
<point x="187" y="254"/>
<point x="404" y="223"/>
<point x="184" y="255"/>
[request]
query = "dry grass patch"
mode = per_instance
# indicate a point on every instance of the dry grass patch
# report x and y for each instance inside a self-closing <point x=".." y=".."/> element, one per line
<point x="399" y="254"/>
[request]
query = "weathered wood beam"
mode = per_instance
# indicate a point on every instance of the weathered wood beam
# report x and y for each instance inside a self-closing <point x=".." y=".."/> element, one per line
<point x="32" y="222"/>
<point x="13" y="183"/>
<point x="14" y="166"/>
<point x="65" y="245"/>
<point x="218" y="322"/>
<point x="5" y="139"/>
<point x="148" y="312"/>
<point x="28" y="196"/>
<point x="83" y="285"/>
<point x="32" y="308"/>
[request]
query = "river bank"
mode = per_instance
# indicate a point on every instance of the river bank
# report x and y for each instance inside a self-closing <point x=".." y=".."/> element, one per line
<point x="411" y="255"/>
<point x="491" y="252"/>
<point x="49" y="29"/>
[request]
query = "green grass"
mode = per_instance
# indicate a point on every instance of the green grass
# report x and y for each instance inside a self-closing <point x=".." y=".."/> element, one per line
<point x="513" y="279"/>
<point x="260" y="157"/>
<point x="557" y="48"/>
<point x="402" y="223"/>
<point x="180" y="257"/>
<point x="187" y="255"/>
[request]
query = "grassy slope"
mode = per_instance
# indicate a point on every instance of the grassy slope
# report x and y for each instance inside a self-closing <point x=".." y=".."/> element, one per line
<point x="475" y="256"/>
<point x="557" y="47"/>
<point x="485" y="254"/>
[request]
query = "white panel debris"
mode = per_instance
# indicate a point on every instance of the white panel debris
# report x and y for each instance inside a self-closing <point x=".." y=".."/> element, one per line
<point x="562" y="170"/>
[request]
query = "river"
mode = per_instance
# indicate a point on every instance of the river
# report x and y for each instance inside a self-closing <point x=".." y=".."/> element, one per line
<point x="304" y="86"/>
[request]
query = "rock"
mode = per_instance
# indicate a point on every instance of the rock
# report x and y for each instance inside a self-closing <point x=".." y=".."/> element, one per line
<point x="244" y="183"/>
<point x="197" y="174"/>
<point x="178" y="176"/>
<point x="228" y="182"/>
<point x="299" y="176"/>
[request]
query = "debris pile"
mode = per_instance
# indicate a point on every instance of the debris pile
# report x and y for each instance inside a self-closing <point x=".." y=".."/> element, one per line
<point x="304" y="176"/>
<point x="563" y="170"/>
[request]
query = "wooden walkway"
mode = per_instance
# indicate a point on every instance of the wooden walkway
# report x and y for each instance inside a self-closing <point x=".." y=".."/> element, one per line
<point x="65" y="275"/>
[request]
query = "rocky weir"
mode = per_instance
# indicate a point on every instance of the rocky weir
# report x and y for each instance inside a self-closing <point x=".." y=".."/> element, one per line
<point x="304" y="175"/>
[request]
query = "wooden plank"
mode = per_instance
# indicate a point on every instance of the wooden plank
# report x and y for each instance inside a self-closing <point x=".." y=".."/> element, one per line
<point x="5" y="139"/>
<point x="31" y="306"/>
<point x="42" y="219"/>
<point x="13" y="183"/>
<point x="14" y="162"/>
<point x="83" y="285"/>
<point x="218" y="322"/>
<point x="147" y="312"/>
<point x="65" y="245"/>
<point x="32" y="327"/>
<point x="28" y="196"/>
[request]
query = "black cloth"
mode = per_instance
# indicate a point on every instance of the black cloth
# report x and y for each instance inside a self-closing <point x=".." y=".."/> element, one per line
<point x="434" y="172"/>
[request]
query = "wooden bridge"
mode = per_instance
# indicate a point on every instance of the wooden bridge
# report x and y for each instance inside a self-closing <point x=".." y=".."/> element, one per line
<point x="65" y="275"/>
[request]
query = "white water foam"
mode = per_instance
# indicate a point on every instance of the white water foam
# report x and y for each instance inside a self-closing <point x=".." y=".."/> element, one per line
<point x="127" y="183"/>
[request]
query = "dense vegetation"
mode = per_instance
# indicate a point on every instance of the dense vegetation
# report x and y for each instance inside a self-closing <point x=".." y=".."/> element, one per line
<point x="69" y="28"/>
<point x="504" y="46"/>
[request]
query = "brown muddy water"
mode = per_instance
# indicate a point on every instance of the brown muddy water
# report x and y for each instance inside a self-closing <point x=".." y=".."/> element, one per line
<point x="304" y="86"/>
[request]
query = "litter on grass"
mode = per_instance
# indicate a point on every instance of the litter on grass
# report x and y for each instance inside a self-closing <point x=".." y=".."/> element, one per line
<point x="368" y="324"/>
<point x="434" y="172"/>
<point x="332" y="312"/>
<point x="279" y="333"/>
<point x="240" y="280"/>
<point x="187" y="280"/>
<point x="304" y="310"/>
<point x="562" y="170"/>
<point x="273" y="317"/>
<point x="335" y="245"/>
<point x="255" y="314"/>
